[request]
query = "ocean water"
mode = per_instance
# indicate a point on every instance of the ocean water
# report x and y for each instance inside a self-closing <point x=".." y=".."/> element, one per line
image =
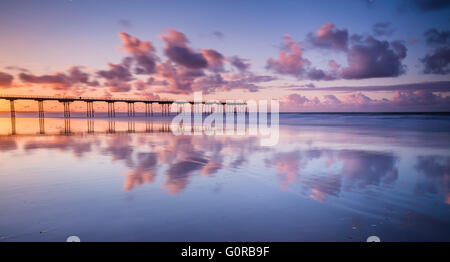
<point x="330" y="177"/>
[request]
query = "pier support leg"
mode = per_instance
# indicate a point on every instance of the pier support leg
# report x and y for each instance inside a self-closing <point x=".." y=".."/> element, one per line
<point x="111" y="110"/>
<point x="67" y="126"/>
<point x="90" y="124"/>
<point x="131" y="111"/>
<point x="13" y="125"/>
<point x="41" y="117"/>
<point x="41" y="108"/>
<point x="90" y="109"/>
<point x="66" y="109"/>
<point x="13" y="109"/>
<point x="111" y="126"/>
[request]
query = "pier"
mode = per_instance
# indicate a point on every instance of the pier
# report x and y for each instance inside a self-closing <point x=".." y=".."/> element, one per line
<point x="205" y="107"/>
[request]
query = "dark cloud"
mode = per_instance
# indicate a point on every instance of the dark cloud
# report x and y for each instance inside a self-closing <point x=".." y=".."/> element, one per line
<point x="383" y="29"/>
<point x="118" y="76"/>
<point x="434" y="37"/>
<point x="5" y="80"/>
<point x="61" y="81"/>
<point x="328" y="36"/>
<point x="118" y="72"/>
<point x="374" y="58"/>
<point x="240" y="63"/>
<point x="17" y="68"/>
<point x="318" y="74"/>
<point x="178" y="51"/>
<point x="438" y="62"/>
<point x="430" y="5"/>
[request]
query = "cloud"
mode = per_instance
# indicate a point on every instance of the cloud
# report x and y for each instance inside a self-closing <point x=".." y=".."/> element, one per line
<point x="187" y="71"/>
<point x="430" y="5"/>
<point x="374" y="58"/>
<point x="403" y="101"/>
<point x="215" y="59"/>
<point x="217" y="34"/>
<point x="180" y="80"/>
<point x="328" y="36"/>
<point x="5" y="80"/>
<point x="125" y="23"/>
<point x="59" y="80"/>
<point x="436" y="86"/>
<point x="434" y="37"/>
<point x="118" y="76"/>
<point x="437" y="62"/>
<point x="319" y="74"/>
<point x="333" y="65"/>
<point x="240" y="63"/>
<point x="331" y="100"/>
<point x="17" y="68"/>
<point x="290" y="60"/>
<point x="118" y="86"/>
<point x="383" y="29"/>
<point x="142" y="51"/>
<point x="367" y="57"/>
<point x="118" y="72"/>
<point x="420" y="97"/>
<point x="178" y="51"/>
<point x="298" y="99"/>
<point x="356" y="98"/>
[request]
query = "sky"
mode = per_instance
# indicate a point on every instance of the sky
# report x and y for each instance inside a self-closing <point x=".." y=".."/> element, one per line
<point x="312" y="56"/>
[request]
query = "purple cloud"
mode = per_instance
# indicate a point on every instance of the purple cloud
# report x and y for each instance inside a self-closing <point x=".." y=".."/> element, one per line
<point x="328" y="36"/>
<point x="374" y="58"/>
<point x="434" y="37"/>
<point x="61" y="81"/>
<point x="438" y="62"/>
<point x="383" y="29"/>
<point x="179" y="52"/>
<point x="118" y="72"/>
<point x="5" y="80"/>
<point x="240" y="63"/>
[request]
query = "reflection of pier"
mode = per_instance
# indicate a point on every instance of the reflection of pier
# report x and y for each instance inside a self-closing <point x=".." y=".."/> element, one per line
<point x="131" y="126"/>
<point x="147" y="126"/>
<point x="196" y="107"/>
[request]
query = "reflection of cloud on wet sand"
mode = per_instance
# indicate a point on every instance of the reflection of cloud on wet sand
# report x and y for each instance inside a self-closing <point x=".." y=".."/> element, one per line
<point x="435" y="176"/>
<point x="64" y="143"/>
<point x="7" y="144"/>
<point x="338" y="170"/>
<point x="184" y="157"/>
<point x="144" y="172"/>
<point x="177" y="177"/>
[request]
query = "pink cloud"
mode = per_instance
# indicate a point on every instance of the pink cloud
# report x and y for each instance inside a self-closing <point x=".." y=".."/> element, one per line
<point x="290" y="60"/>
